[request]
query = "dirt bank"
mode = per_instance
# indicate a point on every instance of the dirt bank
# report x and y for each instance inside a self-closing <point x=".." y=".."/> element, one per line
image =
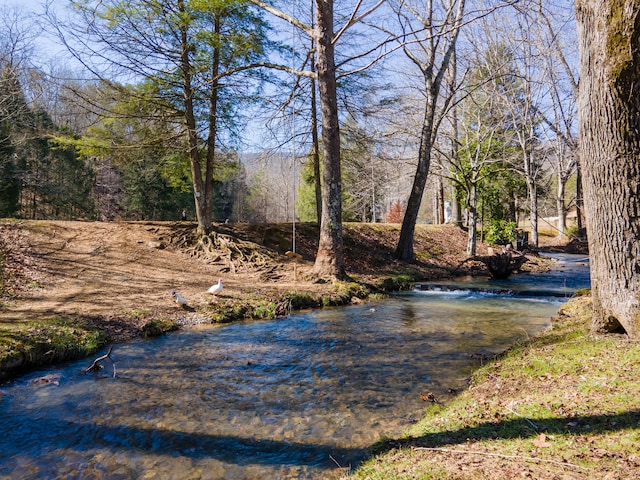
<point x="110" y="269"/>
<point x="118" y="276"/>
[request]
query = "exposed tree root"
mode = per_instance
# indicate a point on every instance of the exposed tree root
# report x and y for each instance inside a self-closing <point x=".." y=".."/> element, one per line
<point x="236" y="255"/>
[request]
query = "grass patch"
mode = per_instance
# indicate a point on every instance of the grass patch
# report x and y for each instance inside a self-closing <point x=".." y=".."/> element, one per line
<point x="299" y="300"/>
<point x="233" y="309"/>
<point x="44" y="342"/>
<point x="564" y="404"/>
<point x="139" y="313"/>
<point x="158" y="327"/>
<point x="397" y="282"/>
<point x="343" y="293"/>
<point x="253" y="307"/>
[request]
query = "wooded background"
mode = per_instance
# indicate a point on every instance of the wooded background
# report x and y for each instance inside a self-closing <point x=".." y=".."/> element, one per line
<point x="98" y="131"/>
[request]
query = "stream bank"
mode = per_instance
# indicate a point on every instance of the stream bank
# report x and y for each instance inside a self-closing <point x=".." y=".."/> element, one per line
<point x="80" y="285"/>
<point x="287" y="399"/>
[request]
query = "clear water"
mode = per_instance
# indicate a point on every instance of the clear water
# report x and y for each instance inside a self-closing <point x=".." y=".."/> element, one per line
<point x="570" y="272"/>
<point x="292" y="398"/>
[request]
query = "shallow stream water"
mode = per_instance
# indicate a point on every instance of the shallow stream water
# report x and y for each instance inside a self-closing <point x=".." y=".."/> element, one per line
<point x="291" y="398"/>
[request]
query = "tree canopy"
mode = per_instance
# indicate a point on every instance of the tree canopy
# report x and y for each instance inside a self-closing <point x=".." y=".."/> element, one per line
<point x="469" y="104"/>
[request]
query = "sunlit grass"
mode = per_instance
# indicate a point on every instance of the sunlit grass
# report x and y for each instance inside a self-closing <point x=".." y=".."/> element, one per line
<point x="45" y="341"/>
<point x="563" y="401"/>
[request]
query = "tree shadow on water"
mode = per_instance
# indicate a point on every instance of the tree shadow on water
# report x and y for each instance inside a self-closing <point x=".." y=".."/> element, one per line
<point x="519" y="428"/>
<point x="34" y="439"/>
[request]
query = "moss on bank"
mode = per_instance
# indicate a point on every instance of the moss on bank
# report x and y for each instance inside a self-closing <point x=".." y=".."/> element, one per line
<point x="25" y="345"/>
<point x="51" y="340"/>
<point x="258" y="307"/>
<point x="564" y="404"/>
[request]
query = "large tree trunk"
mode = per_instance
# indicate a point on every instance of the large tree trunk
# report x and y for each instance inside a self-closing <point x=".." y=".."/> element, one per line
<point x="452" y="79"/>
<point x="532" y="189"/>
<point x="609" y="113"/>
<point x="315" y="146"/>
<point x="315" y="141"/>
<point x="330" y="256"/>
<point x="404" y="250"/>
<point x="533" y="211"/>
<point x="579" y="196"/>
<point x="213" y="130"/>
<point x="456" y="210"/>
<point x="439" y="201"/>
<point x="472" y="221"/>
<point x="203" y="215"/>
<point x="561" y="205"/>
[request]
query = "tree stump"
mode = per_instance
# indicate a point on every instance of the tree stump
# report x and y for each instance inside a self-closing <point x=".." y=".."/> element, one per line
<point x="502" y="265"/>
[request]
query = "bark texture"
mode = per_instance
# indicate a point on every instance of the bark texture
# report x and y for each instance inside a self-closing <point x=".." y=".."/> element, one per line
<point x="609" y="112"/>
<point x="330" y="257"/>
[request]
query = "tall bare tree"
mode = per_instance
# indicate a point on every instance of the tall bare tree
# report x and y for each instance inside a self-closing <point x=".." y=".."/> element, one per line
<point x="609" y="112"/>
<point x="330" y="256"/>
<point x="522" y="101"/>
<point x="550" y="31"/>
<point x="430" y="31"/>
<point x="479" y="154"/>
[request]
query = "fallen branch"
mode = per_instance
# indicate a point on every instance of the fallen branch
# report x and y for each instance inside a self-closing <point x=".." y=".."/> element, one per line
<point x="535" y="427"/>
<point x="346" y="470"/>
<point x="499" y="455"/>
<point x="95" y="366"/>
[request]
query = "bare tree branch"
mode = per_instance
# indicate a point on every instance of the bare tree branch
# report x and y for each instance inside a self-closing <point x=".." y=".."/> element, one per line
<point x="286" y="17"/>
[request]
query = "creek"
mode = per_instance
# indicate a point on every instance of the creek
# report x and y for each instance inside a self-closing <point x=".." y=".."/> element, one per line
<point x="290" y="398"/>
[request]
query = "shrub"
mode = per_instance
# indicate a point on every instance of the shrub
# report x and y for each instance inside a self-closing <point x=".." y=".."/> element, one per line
<point x="265" y="310"/>
<point x="500" y="232"/>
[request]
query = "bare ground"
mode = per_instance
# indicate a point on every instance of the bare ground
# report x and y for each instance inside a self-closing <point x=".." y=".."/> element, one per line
<point x="119" y="275"/>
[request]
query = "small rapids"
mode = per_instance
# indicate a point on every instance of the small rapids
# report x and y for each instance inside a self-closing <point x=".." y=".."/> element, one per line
<point x="570" y="273"/>
<point x="291" y="398"/>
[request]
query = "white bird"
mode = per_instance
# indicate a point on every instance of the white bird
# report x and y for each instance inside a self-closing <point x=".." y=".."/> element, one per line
<point x="180" y="300"/>
<point x="215" y="289"/>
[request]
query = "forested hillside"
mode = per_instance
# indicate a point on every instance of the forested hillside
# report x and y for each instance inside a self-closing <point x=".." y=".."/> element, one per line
<point x="84" y="142"/>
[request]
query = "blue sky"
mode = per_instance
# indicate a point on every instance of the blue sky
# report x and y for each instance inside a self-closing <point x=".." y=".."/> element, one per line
<point x="47" y="48"/>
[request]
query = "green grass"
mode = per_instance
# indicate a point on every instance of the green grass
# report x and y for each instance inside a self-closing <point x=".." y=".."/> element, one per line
<point x="254" y="307"/>
<point x="44" y="342"/>
<point x="158" y="327"/>
<point x="580" y="391"/>
<point x="397" y="282"/>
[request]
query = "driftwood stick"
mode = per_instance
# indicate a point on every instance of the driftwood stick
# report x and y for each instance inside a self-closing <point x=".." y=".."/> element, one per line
<point x="499" y="455"/>
<point x="335" y="461"/>
<point x="535" y="427"/>
<point x="95" y="366"/>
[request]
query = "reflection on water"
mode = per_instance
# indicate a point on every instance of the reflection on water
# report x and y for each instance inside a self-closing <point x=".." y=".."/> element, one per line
<point x="284" y="399"/>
